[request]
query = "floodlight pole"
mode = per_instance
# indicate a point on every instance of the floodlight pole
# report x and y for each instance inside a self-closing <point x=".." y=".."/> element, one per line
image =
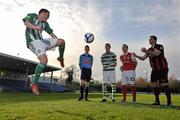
<point x="27" y="79"/>
<point x="146" y="79"/>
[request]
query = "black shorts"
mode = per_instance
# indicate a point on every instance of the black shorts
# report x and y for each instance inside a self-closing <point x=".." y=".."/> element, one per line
<point x="160" y="76"/>
<point x="86" y="74"/>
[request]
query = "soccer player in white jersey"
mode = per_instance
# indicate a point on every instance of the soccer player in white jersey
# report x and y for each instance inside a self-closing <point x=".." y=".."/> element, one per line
<point x="109" y="63"/>
<point x="128" y="67"/>
<point x="35" y="24"/>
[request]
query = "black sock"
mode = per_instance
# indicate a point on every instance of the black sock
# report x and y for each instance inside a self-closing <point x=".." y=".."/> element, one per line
<point x="168" y="94"/>
<point x="156" y="93"/>
<point x="82" y="91"/>
<point x="86" y="92"/>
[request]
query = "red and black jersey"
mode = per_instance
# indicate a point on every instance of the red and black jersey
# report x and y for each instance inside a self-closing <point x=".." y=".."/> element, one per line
<point x="158" y="62"/>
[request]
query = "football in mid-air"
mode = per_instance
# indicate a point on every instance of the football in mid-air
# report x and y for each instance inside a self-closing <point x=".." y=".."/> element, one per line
<point x="89" y="37"/>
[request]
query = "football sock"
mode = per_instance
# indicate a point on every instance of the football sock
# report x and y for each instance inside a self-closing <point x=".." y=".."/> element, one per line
<point x="168" y="94"/>
<point x="113" y="90"/>
<point x="124" y="91"/>
<point x="156" y="93"/>
<point x="86" y="92"/>
<point x="82" y="91"/>
<point x="133" y="91"/>
<point x="61" y="51"/>
<point x="39" y="69"/>
<point x="104" y="91"/>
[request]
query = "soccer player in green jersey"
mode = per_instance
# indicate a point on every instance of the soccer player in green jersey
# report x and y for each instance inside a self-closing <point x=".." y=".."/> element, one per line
<point x="35" y="24"/>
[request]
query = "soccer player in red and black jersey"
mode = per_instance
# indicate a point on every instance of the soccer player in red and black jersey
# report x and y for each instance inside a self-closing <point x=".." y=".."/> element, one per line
<point x="159" y="67"/>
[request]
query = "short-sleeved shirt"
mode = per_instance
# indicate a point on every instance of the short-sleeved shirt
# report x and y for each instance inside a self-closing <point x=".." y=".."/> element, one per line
<point x="32" y="34"/>
<point x="128" y="61"/>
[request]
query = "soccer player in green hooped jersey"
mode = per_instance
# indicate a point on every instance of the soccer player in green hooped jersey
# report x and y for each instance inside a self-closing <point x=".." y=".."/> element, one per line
<point x="35" y="24"/>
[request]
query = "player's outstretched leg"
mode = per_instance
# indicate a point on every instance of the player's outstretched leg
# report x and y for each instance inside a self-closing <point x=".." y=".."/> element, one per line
<point x="104" y="92"/>
<point x="39" y="69"/>
<point x="61" y="47"/>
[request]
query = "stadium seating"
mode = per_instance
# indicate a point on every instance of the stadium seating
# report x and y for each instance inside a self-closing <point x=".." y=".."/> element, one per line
<point x="22" y="86"/>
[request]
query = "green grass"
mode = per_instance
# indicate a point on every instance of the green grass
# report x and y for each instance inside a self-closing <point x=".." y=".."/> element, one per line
<point x="64" y="106"/>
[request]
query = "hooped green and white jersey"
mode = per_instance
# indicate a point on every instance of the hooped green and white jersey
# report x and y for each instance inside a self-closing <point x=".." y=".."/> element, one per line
<point x="32" y="34"/>
<point x="109" y="61"/>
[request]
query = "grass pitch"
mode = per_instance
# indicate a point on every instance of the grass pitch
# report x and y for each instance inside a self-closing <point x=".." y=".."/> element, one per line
<point x="64" y="106"/>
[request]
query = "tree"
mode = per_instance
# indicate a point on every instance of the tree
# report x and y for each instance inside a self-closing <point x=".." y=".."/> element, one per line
<point x="70" y="71"/>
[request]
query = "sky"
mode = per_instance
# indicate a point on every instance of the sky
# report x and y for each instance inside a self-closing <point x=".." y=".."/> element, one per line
<point x="113" y="21"/>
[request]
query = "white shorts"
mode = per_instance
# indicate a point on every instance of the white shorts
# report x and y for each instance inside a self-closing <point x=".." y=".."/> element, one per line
<point x="40" y="47"/>
<point x="128" y="77"/>
<point x="109" y="76"/>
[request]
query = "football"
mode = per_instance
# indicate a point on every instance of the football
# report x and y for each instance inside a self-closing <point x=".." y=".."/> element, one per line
<point x="143" y="49"/>
<point x="88" y="37"/>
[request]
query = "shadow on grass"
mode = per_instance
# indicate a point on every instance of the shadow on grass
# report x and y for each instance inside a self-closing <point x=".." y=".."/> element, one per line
<point x="143" y="105"/>
<point x="162" y="106"/>
<point x="29" y="97"/>
<point x="85" y="117"/>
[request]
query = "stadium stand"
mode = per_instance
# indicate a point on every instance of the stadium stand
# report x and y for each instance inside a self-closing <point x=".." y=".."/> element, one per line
<point x="15" y="72"/>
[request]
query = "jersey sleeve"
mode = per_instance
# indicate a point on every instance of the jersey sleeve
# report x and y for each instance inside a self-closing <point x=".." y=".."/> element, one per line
<point x="92" y="59"/>
<point x="114" y="58"/>
<point x="29" y="17"/>
<point x="161" y="48"/>
<point x="48" y="28"/>
<point x="80" y="61"/>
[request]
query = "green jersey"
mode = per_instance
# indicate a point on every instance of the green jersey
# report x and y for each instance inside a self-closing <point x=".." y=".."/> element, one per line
<point x="32" y="34"/>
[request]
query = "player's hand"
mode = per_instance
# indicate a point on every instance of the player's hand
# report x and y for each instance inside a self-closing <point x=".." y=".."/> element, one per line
<point x="134" y="54"/>
<point x="36" y="27"/>
<point x="143" y="50"/>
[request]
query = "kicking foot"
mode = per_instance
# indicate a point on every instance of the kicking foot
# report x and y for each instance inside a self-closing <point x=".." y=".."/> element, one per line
<point x="61" y="61"/>
<point x="113" y="100"/>
<point x="34" y="88"/>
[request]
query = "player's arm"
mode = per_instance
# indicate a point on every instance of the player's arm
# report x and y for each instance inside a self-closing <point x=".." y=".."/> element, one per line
<point x="103" y="61"/>
<point x="92" y="60"/>
<point x="28" y="24"/>
<point x="114" y="60"/>
<point x="153" y="53"/>
<point x="80" y="62"/>
<point x="141" y="57"/>
<point x="134" y="60"/>
<point x="156" y="52"/>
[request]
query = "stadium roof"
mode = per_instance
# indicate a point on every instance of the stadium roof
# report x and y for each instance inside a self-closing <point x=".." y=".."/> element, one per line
<point x="21" y="65"/>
